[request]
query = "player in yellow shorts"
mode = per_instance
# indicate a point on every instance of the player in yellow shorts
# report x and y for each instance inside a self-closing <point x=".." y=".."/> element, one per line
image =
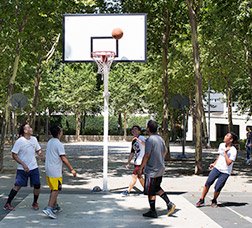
<point x="55" y="157"/>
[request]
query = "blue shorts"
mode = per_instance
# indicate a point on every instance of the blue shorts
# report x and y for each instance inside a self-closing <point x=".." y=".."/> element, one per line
<point x="216" y="174"/>
<point x="152" y="185"/>
<point x="22" y="178"/>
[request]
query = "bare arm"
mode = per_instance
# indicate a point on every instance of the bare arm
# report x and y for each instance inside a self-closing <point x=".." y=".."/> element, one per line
<point x="41" y="155"/>
<point x="67" y="163"/>
<point x="129" y="159"/>
<point x="19" y="161"/>
<point x="144" y="161"/>
<point x="139" y="140"/>
<point x="213" y="164"/>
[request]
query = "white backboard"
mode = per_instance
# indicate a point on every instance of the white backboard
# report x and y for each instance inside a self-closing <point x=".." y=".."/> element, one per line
<point x="85" y="33"/>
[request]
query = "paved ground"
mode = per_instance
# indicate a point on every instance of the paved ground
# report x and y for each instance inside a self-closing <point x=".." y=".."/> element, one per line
<point x="82" y="208"/>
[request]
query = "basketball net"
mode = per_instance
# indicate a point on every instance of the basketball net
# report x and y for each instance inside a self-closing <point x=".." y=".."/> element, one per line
<point x="104" y="60"/>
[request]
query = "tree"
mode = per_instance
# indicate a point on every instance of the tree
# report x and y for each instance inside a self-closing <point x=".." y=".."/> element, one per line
<point x="198" y="85"/>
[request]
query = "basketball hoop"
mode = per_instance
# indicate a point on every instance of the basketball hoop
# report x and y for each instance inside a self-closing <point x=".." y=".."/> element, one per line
<point x="103" y="59"/>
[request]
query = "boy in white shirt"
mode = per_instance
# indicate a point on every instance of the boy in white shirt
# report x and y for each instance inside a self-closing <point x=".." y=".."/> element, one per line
<point x="221" y="169"/>
<point x="137" y="151"/>
<point x="24" y="153"/>
<point x="55" y="157"/>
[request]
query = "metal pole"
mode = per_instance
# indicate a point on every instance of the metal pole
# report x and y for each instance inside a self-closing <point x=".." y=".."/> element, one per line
<point x="184" y="134"/>
<point x="208" y="139"/>
<point x="105" y="128"/>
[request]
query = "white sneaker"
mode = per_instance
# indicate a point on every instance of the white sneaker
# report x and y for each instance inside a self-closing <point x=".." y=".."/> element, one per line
<point x="47" y="211"/>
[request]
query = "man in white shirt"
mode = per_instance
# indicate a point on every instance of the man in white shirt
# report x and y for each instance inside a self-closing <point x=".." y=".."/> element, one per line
<point x="24" y="153"/>
<point x="221" y="169"/>
<point x="137" y="151"/>
<point x="55" y="157"/>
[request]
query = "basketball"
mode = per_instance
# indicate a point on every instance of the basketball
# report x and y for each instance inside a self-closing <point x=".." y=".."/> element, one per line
<point x="117" y="33"/>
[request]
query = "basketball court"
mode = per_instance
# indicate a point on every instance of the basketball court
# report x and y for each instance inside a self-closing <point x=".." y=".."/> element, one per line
<point x="107" y="210"/>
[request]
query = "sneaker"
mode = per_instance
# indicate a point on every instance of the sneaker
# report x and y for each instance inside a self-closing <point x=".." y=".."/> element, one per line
<point x="125" y="193"/>
<point x="200" y="203"/>
<point x="248" y="162"/>
<point x="8" y="207"/>
<point x="171" y="208"/>
<point x="150" y="214"/>
<point x="57" y="209"/>
<point x="214" y="203"/>
<point x="47" y="211"/>
<point x="35" y="206"/>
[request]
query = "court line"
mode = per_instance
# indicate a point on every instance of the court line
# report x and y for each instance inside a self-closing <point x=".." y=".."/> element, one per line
<point x="247" y="218"/>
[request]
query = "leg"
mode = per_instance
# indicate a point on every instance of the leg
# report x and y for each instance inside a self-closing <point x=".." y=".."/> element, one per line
<point x="149" y="189"/>
<point x="248" y="150"/>
<point x="12" y="195"/>
<point x="53" y="198"/>
<point x="170" y="206"/>
<point x="35" y="182"/>
<point x="219" y="185"/>
<point x="141" y="180"/>
<point x="204" y="192"/>
<point x="21" y="181"/>
<point x="213" y="175"/>
<point x="133" y="182"/>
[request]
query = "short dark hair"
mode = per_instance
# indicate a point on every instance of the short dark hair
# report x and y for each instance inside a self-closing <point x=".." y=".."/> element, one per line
<point x="153" y="126"/>
<point x="136" y="126"/>
<point x="234" y="137"/>
<point x="21" y="129"/>
<point x="55" y="130"/>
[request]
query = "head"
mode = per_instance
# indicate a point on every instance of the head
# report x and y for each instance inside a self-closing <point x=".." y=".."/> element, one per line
<point x="248" y="129"/>
<point x="56" y="131"/>
<point x="231" y="138"/>
<point x="152" y="127"/>
<point x="25" y="129"/>
<point x="136" y="130"/>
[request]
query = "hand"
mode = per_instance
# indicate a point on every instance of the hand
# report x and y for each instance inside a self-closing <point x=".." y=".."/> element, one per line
<point x="227" y="149"/>
<point x="26" y="169"/>
<point x="127" y="166"/>
<point x="73" y="172"/>
<point x="41" y="156"/>
<point x="211" y="166"/>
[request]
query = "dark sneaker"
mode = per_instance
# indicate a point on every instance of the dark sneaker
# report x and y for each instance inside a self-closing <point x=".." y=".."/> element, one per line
<point x="150" y="214"/>
<point x="214" y="203"/>
<point x="57" y="209"/>
<point x="171" y="208"/>
<point x="200" y="203"/>
<point x="35" y="206"/>
<point x="8" y="207"/>
<point x="125" y="193"/>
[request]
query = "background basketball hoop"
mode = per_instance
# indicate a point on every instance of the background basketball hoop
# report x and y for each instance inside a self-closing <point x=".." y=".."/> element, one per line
<point x="103" y="59"/>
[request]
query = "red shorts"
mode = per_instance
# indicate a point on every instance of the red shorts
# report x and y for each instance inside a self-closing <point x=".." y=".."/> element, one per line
<point x="136" y="169"/>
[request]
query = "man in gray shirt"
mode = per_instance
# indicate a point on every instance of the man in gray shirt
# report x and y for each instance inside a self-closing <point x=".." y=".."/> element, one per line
<point x="154" y="168"/>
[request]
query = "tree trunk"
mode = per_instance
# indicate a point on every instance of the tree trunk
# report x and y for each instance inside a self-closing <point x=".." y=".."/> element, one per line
<point x="205" y="134"/>
<point x="37" y="79"/>
<point x="119" y="123"/>
<point x="6" y="115"/>
<point x="198" y="87"/>
<point x="229" y="104"/>
<point x="35" y="100"/>
<point x="124" y="125"/>
<point x="248" y="53"/>
<point x="78" y="124"/>
<point x="165" y="84"/>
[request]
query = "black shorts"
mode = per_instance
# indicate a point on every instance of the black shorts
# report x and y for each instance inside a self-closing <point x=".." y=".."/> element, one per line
<point x="152" y="185"/>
